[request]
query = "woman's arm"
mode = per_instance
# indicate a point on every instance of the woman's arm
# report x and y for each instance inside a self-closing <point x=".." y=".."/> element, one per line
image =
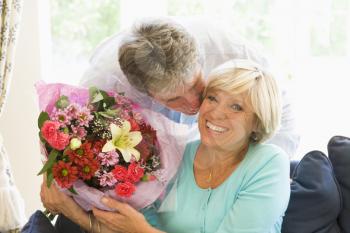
<point x="126" y="219"/>
<point x="58" y="202"/>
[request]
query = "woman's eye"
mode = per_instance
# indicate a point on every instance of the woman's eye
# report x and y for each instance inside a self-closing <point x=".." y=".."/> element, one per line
<point x="211" y="98"/>
<point x="236" y="107"/>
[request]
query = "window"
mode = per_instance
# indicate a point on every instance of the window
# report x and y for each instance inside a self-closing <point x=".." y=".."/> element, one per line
<point x="77" y="26"/>
<point x="309" y="40"/>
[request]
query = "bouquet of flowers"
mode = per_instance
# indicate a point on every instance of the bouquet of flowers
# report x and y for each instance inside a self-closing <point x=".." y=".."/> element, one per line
<point x="101" y="143"/>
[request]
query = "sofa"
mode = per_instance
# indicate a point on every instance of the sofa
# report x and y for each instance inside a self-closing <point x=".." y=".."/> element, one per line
<point x="320" y="191"/>
<point x="319" y="201"/>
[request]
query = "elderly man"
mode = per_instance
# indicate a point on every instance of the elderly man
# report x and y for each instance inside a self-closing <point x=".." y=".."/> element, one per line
<point x="162" y="64"/>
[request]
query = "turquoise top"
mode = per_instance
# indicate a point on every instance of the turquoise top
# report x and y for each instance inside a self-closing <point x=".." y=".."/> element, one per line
<point x="252" y="199"/>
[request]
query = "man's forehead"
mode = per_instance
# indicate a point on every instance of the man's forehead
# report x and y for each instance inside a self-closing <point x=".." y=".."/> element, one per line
<point x="170" y="95"/>
<point x="178" y="91"/>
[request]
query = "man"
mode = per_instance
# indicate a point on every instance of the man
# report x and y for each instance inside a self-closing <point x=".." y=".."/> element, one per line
<point x="162" y="65"/>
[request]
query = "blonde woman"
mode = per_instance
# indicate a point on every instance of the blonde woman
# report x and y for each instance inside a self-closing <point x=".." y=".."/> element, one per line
<point x="229" y="181"/>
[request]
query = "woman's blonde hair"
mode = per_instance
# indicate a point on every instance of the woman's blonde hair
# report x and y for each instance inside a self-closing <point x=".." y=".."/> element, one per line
<point x="239" y="76"/>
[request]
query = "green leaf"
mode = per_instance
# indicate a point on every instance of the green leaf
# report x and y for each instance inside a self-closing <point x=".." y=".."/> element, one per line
<point x="49" y="163"/>
<point x="110" y="113"/>
<point x="72" y="190"/>
<point x="92" y="92"/>
<point x="108" y="100"/>
<point x="95" y="95"/>
<point x="42" y="138"/>
<point x="98" y="97"/>
<point x="49" y="178"/>
<point x="62" y="102"/>
<point x="44" y="116"/>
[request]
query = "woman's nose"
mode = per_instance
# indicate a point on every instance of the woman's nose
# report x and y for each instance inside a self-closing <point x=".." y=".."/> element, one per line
<point x="218" y="112"/>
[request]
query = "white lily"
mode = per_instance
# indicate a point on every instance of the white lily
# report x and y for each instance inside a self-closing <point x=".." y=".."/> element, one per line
<point x="124" y="141"/>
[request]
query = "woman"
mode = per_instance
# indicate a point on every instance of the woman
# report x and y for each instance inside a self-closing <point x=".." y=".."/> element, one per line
<point x="229" y="181"/>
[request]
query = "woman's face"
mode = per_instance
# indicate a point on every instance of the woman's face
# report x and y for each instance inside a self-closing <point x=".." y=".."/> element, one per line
<point x="226" y="121"/>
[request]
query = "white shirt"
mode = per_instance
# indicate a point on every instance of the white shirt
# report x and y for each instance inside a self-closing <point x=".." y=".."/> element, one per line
<point x="217" y="44"/>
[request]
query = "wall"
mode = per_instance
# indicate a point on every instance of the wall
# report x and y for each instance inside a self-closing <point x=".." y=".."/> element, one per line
<point x="18" y="122"/>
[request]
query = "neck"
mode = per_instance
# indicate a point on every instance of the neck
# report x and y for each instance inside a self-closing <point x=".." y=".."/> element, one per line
<point x="212" y="166"/>
<point x="219" y="156"/>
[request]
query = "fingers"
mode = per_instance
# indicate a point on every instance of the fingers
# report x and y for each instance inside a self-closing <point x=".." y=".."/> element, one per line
<point x="110" y="219"/>
<point x="123" y="208"/>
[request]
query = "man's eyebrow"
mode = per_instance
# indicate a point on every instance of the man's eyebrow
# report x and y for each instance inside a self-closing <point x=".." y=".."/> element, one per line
<point x="195" y="84"/>
<point x="172" y="99"/>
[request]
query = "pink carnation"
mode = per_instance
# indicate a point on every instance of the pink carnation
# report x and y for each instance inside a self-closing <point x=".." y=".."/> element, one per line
<point x="60" y="142"/>
<point x="50" y="129"/>
<point x="125" y="189"/>
<point x="135" y="172"/>
<point x="120" y="173"/>
<point x="57" y="140"/>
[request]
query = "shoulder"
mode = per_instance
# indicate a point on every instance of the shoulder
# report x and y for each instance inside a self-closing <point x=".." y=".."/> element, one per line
<point x="267" y="156"/>
<point x="108" y="45"/>
<point x="268" y="151"/>
<point x="190" y="152"/>
<point x="191" y="147"/>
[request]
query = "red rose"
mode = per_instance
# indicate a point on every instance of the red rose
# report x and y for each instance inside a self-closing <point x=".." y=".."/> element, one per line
<point x="125" y="189"/>
<point x="120" y="173"/>
<point x="134" y="125"/>
<point x="97" y="147"/>
<point x="149" y="134"/>
<point x="135" y="172"/>
<point x="49" y="130"/>
<point x="144" y="150"/>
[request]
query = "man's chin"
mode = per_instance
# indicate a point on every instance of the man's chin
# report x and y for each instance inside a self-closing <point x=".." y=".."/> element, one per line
<point x="191" y="113"/>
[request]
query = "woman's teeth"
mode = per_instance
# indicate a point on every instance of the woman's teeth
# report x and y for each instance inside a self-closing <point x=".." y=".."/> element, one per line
<point x="215" y="127"/>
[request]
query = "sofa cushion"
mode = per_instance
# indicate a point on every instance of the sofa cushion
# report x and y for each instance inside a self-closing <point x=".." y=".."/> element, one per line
<point x="64" y="224"/>
<point x="315" y="200"/>
<point x="38" y="223"/>
<point x="339" y="154"/>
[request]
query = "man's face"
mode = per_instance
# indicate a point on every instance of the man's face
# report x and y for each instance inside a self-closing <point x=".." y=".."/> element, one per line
<point x="186" y="100"/>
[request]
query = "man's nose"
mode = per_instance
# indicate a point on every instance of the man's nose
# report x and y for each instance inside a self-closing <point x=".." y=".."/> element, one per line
<point x="193" y="100"/>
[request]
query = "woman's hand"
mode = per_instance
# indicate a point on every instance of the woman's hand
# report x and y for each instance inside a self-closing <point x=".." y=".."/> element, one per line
<point x="56" y="201"/>
<point x="126" y="219"/>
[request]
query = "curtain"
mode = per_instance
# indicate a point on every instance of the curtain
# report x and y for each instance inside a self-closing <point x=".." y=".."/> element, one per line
<point x="11" y="203"/>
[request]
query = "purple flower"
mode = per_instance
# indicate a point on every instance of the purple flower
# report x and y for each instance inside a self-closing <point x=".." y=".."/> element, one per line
<point x="110" y="158"/>
<point x="72" y="110"/>
<point x="79" y="132"/>
<point x="121" y="100"/>
<point x="84" y="116"/>
<point x="138" y="117"/>
<point x="107" y="179"/>
<point x="61" y="116"/>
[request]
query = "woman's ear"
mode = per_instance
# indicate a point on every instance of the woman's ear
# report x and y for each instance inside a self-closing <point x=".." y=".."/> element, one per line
<point x="255" y="134"/>
<point x="256" y="124"/>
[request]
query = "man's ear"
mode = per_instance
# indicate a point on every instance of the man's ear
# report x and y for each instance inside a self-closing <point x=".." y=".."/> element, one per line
<point x="149" y="94"/>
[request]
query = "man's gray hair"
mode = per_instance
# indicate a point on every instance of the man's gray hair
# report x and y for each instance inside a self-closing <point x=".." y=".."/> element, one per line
<point x="159" y="56"/>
